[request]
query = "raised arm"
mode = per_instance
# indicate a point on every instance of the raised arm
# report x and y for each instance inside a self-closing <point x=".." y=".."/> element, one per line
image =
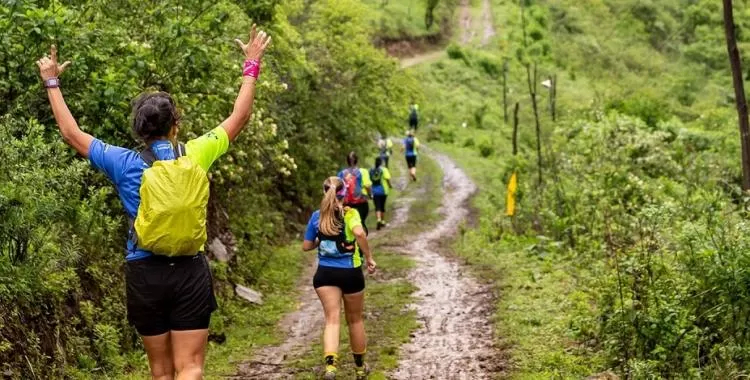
<point x="73" y="135"/>
<point x="243" y="106"/>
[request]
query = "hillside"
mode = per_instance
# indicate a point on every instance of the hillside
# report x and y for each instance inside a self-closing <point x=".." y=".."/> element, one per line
<point x="627" y="255"/>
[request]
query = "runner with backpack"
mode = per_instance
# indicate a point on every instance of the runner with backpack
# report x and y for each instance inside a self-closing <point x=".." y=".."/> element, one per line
<point x="337" y="232"/>
<point x="164" y="191"/>
<point x="381" y="185"/>
<point x="413" y="115"/>
<point x="385" y="149"/>
<point x="358" y="187"/>
<point x="411" y="145"/>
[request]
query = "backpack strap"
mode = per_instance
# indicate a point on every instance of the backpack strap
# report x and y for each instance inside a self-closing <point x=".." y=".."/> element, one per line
<point x="148" y="156"/>
<point x="179" y="151"/>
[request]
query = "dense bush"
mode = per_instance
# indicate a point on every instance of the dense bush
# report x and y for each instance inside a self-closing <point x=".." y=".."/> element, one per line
<point x="61" y="225"/>
<point x="644" y="207"/>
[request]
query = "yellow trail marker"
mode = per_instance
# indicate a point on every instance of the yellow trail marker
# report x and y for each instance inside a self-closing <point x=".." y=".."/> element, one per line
<point x="510" y="203"/>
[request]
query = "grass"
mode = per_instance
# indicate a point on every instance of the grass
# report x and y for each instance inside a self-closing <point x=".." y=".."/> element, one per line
<point x="256" y="326"/>
<point x="388" y="320"/>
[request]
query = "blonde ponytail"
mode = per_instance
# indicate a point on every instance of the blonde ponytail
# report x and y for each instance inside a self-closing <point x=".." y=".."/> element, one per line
<point x="331" y="211"/>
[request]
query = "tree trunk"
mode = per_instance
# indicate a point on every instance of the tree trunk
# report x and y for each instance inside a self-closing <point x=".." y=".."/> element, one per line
<point x="515" y="129"/>
<point x="505" y="92"/>
<point x="553" y="97"/>
<point x="532" y="93"/>
<point x="739" y="91"/>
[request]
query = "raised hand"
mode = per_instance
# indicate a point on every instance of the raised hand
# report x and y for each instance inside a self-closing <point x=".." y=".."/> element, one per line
<point x="48" y="66"/>
<point x="256" y="47"/>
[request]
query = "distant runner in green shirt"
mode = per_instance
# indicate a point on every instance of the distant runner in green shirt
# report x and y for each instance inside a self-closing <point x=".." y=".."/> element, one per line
<point x="381" y="185"/>
<point x="413" y="115"/>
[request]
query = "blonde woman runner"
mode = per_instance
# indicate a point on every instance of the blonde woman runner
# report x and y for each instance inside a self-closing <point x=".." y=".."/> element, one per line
<point x="336" y="231"/>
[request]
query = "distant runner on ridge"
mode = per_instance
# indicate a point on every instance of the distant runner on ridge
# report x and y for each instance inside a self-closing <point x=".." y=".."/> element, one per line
<point x="413" y="115"/>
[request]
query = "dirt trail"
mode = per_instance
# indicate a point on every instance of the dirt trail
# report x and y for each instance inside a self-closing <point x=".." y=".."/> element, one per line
<point x="466" y="32"/>
<point x="488" y="25"/>
<point x="456" y="339"/>
<point x="422" y="58"/>
<point x="304" y="325"/>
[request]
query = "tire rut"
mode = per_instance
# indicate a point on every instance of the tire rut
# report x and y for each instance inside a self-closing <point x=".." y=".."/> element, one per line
<point x="456" y="337"/>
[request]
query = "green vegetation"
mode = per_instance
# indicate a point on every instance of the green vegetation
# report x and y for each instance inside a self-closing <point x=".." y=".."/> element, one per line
<point x="630" y="254"/>
<point x="61" y="225"/>
<point x="410" y="19"/>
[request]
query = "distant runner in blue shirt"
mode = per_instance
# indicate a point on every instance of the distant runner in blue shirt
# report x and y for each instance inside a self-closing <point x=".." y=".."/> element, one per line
<point x="411" y="147"/>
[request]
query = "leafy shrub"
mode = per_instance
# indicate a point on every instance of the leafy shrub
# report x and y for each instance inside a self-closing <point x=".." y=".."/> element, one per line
<point x="486" y="148"/>
<point x="646" y="108"/>
<point x="445" y="135"/>
<point x="456" y="52"/>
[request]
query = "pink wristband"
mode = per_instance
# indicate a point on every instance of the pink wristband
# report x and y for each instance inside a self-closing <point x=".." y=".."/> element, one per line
<point x="252" y="68"/>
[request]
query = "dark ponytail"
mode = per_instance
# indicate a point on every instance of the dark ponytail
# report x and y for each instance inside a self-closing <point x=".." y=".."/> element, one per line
<point x="352" y="159"/>
<point x="154" y="115"/>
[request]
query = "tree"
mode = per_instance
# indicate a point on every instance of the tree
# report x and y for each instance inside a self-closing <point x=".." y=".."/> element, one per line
<point x="531" y="80"/>
<point x="429" y="17"/>
<point x="739" y="91"/>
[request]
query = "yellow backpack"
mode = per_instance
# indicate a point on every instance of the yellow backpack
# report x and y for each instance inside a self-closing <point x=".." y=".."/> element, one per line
<point x="171" y="219"/>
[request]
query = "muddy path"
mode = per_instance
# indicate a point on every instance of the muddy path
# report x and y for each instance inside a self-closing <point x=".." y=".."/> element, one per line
<point x="302" y="327"/>
<point x="456" y="337"/>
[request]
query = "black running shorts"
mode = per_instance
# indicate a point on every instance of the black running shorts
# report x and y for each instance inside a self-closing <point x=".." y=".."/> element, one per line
<point x="379" y="201"/>
<point x="169" y="293"/>
<point x="411" y="161"/>
<point x="349" y="280"/>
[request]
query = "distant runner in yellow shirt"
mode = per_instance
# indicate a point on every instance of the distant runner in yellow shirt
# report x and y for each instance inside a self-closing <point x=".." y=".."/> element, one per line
<point x="381" y="185"/>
